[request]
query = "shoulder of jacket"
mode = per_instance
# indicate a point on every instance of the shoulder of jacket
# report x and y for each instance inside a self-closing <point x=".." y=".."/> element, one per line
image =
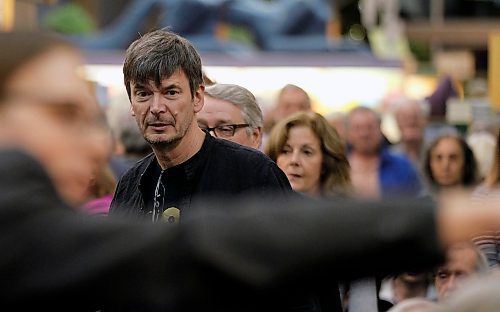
<point x="138" y="169"/>
<point x="243" y="153"/>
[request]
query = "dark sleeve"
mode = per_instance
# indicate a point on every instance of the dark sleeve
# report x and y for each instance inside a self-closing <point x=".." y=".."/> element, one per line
<point x="127" y="199"/>
<point x="116" y="204"/>
<point x="54" y="257"/>
<point x="275" y="180"/>
<point x="305" y="239"/>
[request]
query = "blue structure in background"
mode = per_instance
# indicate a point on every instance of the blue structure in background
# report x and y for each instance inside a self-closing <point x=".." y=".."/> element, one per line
<point x="282" y="22"/>
<point x="122" y="31"/>
<point x="282" y="25"/>
<point x="197" y="21"/>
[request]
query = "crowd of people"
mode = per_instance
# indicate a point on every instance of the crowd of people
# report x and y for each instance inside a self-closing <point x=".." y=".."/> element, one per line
<point x="182" y="199"/>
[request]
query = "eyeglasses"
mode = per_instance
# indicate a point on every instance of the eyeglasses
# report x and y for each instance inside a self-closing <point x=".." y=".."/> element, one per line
<point x="224" y="131"/>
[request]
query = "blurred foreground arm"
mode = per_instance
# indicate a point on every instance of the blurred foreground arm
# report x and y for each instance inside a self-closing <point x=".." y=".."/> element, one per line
<point x="306" y="239"/>
<point x="459" y="217"/>
<point x="221" y="253"/>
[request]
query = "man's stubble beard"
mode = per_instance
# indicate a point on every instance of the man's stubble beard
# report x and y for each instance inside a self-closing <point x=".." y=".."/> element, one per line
<point x="173" y="141"/>
<point x="164" y="144"/>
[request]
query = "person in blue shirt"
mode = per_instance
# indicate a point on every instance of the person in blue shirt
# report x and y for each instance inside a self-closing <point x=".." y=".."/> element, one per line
<point x="375" y="171"/>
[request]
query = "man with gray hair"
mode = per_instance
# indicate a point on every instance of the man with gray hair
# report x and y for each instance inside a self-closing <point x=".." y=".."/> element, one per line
<point x="228" y="110"/>
<point x="291" y="99"/>
<point x="463" y="261"/>
<point x="411" y="118"/>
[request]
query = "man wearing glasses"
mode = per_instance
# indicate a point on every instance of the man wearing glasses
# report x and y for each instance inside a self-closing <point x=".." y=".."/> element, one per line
<point x="231" y="112"/>
<point x="163" y="78"/>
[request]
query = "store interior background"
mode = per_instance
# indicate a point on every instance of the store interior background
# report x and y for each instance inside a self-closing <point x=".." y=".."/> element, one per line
<point x="344" y="53"/>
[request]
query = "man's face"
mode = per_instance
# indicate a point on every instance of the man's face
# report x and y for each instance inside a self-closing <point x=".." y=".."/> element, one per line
<point x="363" y="132"/>
<point x="51" y="115"/>
<point x="165" y="113"/>
<point x="217" y="112"/>
<point x="460" y="265"/>
<point x="411" y="123"/>
<point x="290" y="101"/>
<point x="447" y="162"/>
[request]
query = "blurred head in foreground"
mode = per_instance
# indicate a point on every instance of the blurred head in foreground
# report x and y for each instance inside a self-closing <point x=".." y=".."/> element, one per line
<point x="47" y="110"/>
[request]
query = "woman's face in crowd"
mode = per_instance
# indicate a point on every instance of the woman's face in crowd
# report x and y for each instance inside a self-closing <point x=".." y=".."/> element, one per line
<point x="301" y="159"/>
<point x="447" y="162"/>
<point x="51" y="115"/>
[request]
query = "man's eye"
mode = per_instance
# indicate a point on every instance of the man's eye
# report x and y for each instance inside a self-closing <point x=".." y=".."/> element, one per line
<point x="172" y="92"/>
<point x="442" y="275"/>
<point x="141" y="94"/>
<point x="225" y="129"/>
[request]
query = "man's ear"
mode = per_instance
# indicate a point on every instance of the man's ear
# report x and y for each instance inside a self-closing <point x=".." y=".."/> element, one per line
<point x="198" y="99"/>
<point x="132" y="111"/>
<point x="257" y="137"/>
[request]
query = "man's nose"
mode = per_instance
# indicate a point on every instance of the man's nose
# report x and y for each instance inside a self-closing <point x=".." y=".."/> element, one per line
<point x="452" y="282"/>
<point x="157" y="105"/>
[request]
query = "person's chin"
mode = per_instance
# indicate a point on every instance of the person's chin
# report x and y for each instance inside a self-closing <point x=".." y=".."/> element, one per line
<point x="297" y="187"/>
<point x="446" y="296"/>
<point x="448" y="183"/>
<point x="160" y="138"/>
<point x="75" y="193"/>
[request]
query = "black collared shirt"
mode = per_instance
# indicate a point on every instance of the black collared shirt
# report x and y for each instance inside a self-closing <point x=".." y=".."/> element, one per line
<point x="219" y="168"/>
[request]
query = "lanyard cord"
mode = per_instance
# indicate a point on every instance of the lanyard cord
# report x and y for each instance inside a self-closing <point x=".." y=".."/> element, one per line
<point x="156" y="203"/>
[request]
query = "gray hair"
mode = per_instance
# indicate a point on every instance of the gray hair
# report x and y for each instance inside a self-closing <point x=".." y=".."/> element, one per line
<point x="124" y="126"/>
<point x="482" y="265"/>
<point x="403" y="101"/>
<point x="480" y="295"/>
<point x="241" y="97"/>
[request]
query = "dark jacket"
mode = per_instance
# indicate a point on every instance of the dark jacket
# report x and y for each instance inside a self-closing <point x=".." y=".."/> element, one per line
<point x="220" y="168"/>
<point x="56" y="259"/>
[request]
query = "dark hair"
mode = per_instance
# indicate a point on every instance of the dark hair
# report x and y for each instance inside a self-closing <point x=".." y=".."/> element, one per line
<point x="470" y="170"/>
<point x="157" y="55"/>
<point x="18" y="48"/>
